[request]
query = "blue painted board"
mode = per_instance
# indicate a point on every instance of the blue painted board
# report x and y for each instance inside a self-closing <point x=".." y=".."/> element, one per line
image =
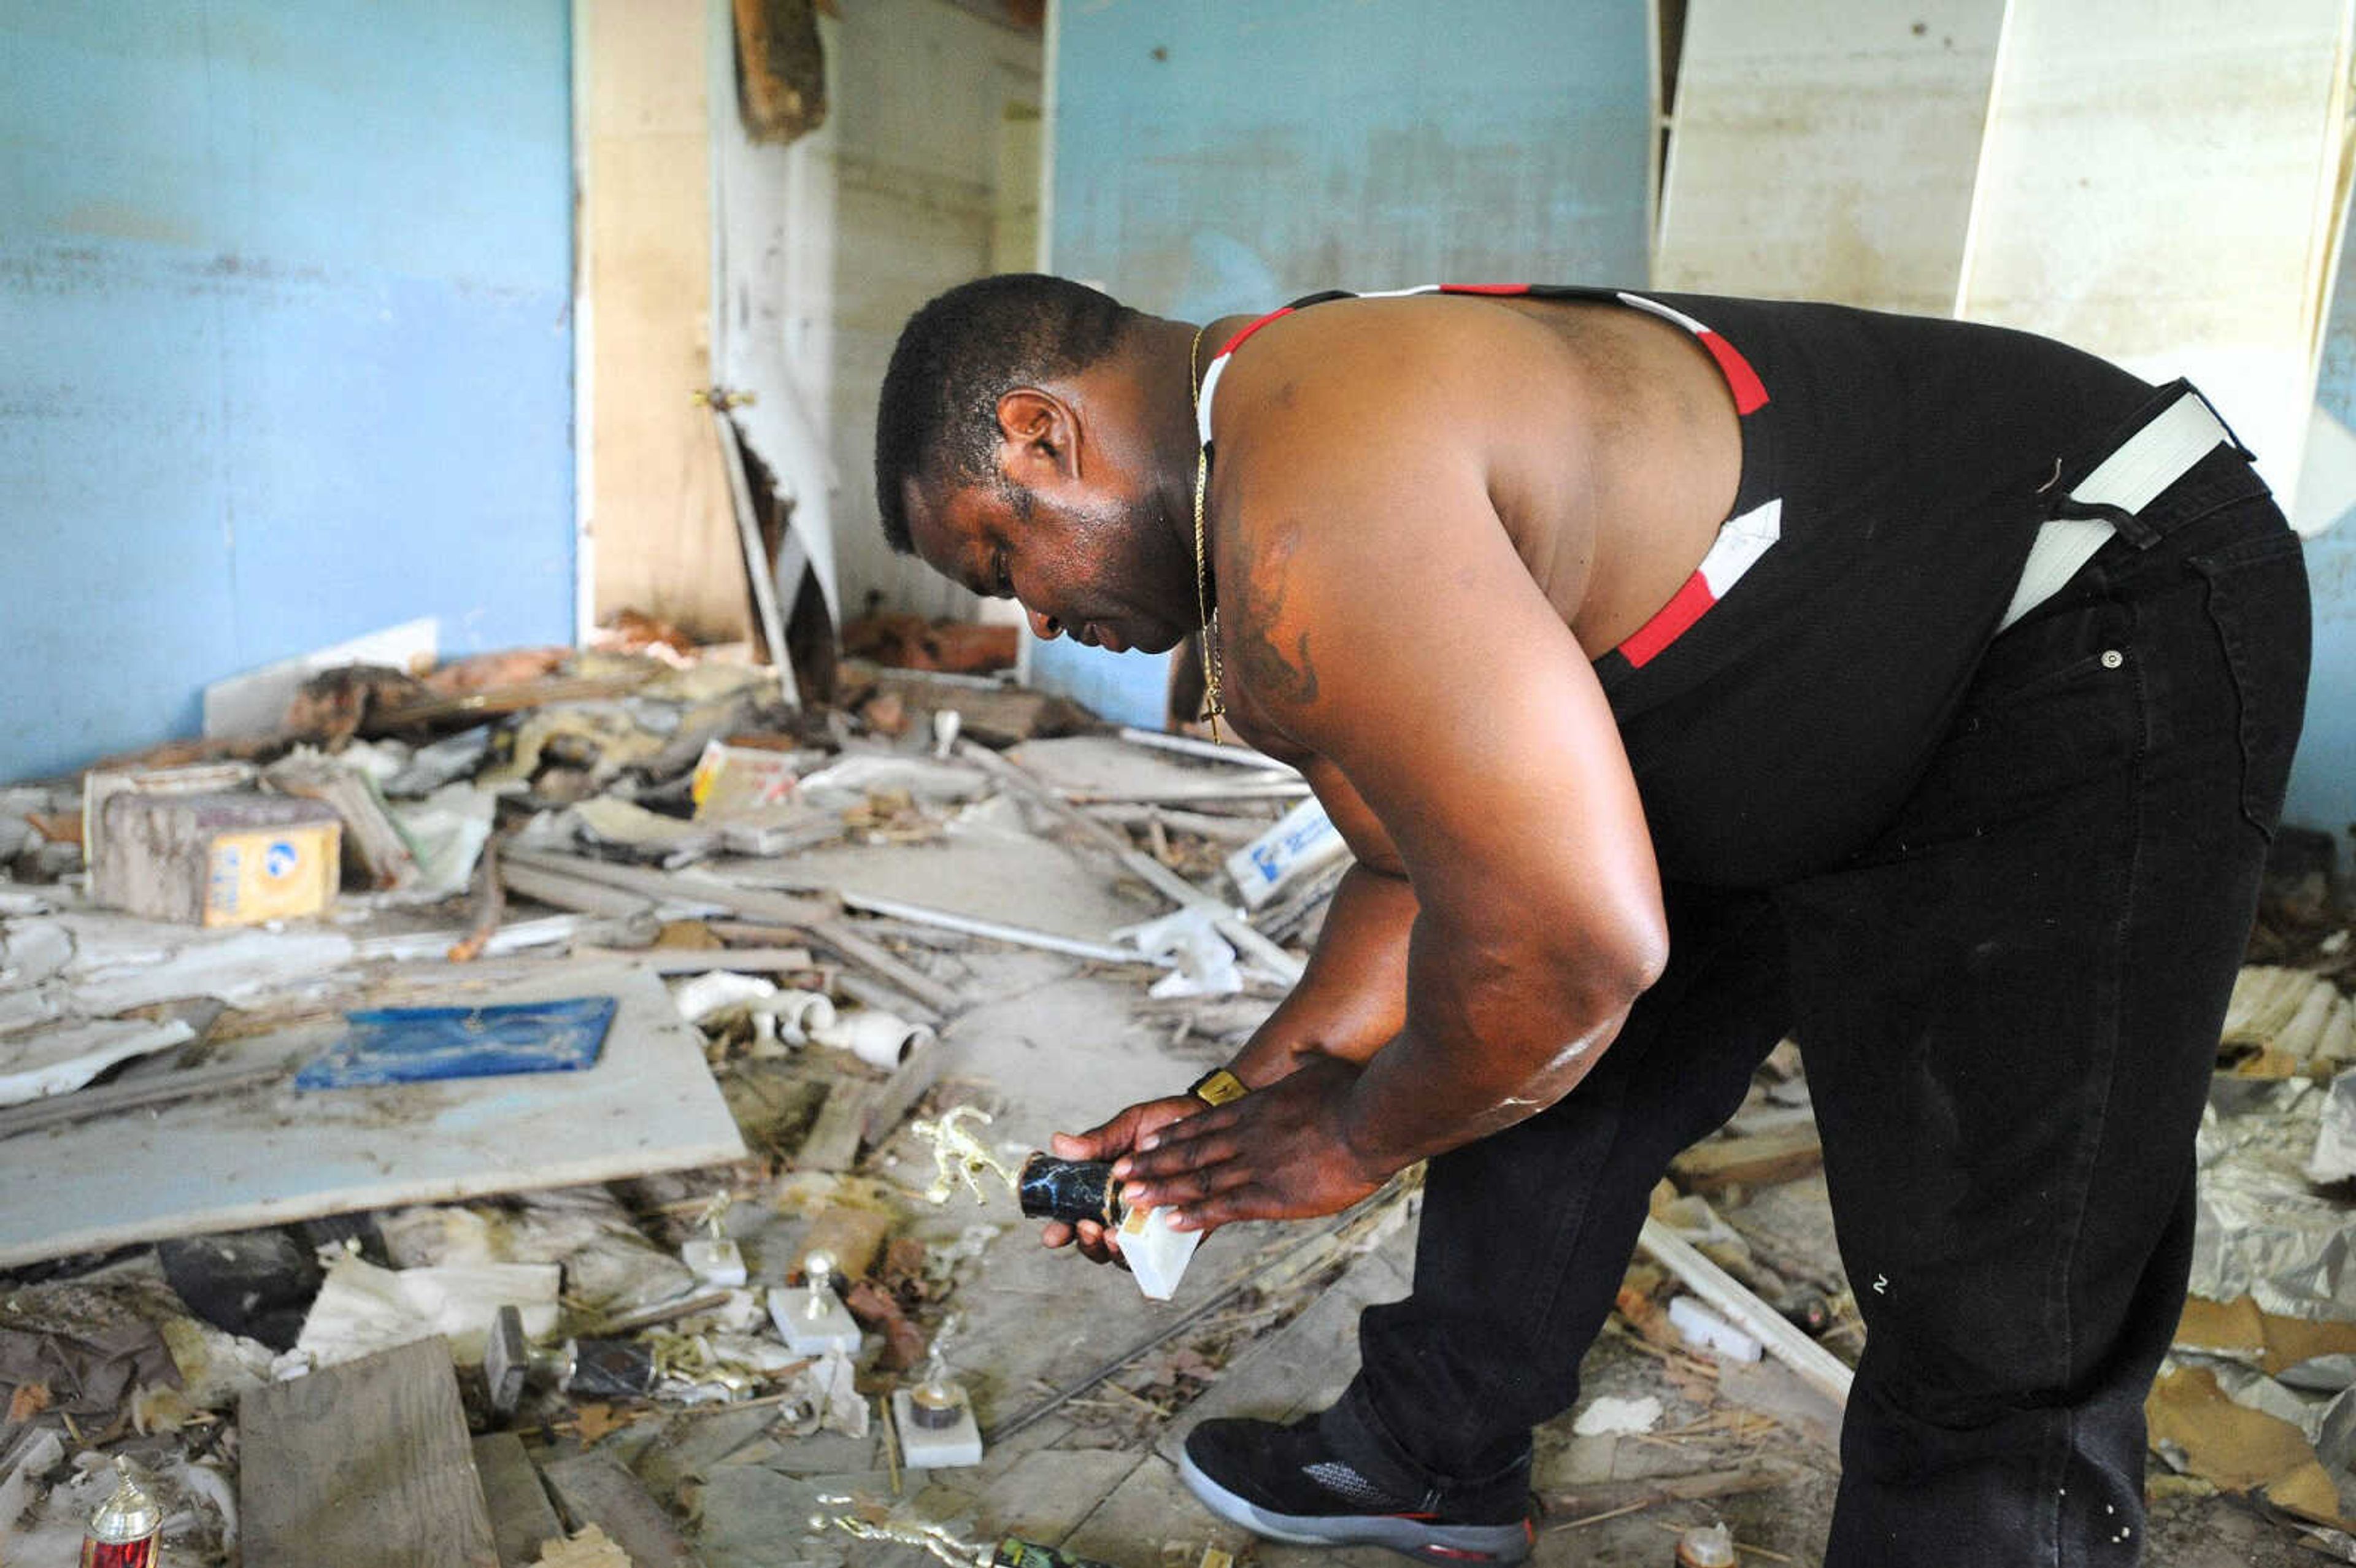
<point x="2323" y="778"/>
<point x="1217" y="156"/>
<point x="286" y="345"/>
<point x="421" y="1045"/>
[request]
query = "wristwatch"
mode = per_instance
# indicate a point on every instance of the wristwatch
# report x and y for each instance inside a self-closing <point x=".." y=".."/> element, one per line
<point x="1217" y="1087"/>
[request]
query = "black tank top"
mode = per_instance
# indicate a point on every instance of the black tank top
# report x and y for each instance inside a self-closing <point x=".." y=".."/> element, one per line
<point x="1895" y="470"/>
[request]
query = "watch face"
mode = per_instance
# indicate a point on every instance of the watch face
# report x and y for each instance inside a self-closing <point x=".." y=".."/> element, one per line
<point x="1218" y="1087"/>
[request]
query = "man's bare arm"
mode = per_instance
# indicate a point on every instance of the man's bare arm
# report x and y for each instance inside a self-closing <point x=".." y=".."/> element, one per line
<point x="1352" y="997"/>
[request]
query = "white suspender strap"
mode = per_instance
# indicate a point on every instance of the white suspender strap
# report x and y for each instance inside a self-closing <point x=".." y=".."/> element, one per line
<point x="2130" y="478"/>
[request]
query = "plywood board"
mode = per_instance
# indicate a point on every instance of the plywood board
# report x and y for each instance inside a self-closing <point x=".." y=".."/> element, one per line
<point x="1826" y="149"/>
<point x="658" y="510"/>
<point x="2157" y="188"/>
<point x="265" y="1157"/>
<point x="522" y="1519"/>
<point x="364" y="1466"/>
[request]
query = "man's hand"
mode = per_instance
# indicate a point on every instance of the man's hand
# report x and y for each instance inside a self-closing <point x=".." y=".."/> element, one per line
<point x="1110" y="1141"/>
<point x="1276" y="1153"/>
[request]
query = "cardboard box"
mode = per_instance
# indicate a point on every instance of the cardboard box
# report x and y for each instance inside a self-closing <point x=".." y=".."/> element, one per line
<point x="218" y="859"/>
<point x="731" y="781"/>
<point x="1304" y="840"/>
<point x="100" y="786"/>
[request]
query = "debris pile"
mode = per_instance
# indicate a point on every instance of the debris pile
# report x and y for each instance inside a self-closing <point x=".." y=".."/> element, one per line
<point x="550" y="1152"/>
<point x="598" y="1154"/>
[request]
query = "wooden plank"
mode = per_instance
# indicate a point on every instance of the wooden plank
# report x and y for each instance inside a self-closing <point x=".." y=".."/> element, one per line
<point x="1826" y="149"/>
<point x="838" y="935"/>
<point x="781" y="74"/>
<point x="361" y="1465"/>
<point x="1760" y="1159"/>
<point x="835" y="1136"/>
<point x="812" y="917"/>
<point x="757" y="568"/>
<point x="270" y="1155"/>
<point x="1157" y="876"/>
<point x="2086" y="122"/>
<point x="1816" y="1366"/>
<point x="597" y="1488"/>
<point x="666" y="540"/>
<point x="1565" y="1510"/>
<point x="522" y="1518"/>
<point x="897" y="1094"/>
<point x="114" y="1098"/>
<point x="753" y="1516"/>
<point x="473" y="707"/>
<point x="578" y="893"/>
<point x="703" y="960"/>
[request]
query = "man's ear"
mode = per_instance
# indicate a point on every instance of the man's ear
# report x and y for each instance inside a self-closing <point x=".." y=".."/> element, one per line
<point x="1039" y="434"/>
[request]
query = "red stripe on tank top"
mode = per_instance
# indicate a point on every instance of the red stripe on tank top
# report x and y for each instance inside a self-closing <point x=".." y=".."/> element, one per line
<point x="1237" y="340"/>
<point x="1750" y="392"/>
<point x="1672" y="621"/>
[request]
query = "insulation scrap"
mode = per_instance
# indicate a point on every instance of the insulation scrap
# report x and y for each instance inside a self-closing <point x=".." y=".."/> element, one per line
<point x="2284" y="1023"/>
<point x="2198" y="1428"/>
<point x="610" y="1268"/>
<point x="2334" y="1159"/>
<point x="2239" y="1330"/>
<point x="363" y="1308"/>
<point x="2263" y="1230"/>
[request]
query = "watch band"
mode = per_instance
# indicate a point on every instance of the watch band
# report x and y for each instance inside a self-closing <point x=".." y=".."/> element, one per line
<point x="1217" y="1087"/>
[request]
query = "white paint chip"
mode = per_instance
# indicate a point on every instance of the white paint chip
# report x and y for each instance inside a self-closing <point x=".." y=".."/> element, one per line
<point x="1611" y="1418"/>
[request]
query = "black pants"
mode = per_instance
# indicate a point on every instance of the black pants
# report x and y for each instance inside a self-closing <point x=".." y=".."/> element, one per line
<point x="2008" y="1008"/>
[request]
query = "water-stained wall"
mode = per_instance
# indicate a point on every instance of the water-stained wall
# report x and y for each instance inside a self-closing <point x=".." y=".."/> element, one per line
<point x="2323" y="778"/>
<point x="284" y="346"/>
<point x="1217" y="156"/>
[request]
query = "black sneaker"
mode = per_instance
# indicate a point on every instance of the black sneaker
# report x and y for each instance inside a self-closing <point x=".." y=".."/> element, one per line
<point x="1284" y="1483"/>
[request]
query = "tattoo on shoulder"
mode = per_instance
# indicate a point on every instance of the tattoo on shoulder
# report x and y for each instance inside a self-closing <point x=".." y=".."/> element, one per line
<point x="1273" y="676"/>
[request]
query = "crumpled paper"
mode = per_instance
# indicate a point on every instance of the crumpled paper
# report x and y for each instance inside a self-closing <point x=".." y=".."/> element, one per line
<point x="2334" y="1159"/>
<point x="2264" y="1231"/>
<point x="1189" y="938"/>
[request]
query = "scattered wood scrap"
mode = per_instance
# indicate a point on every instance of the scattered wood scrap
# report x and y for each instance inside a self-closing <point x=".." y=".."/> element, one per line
<point x="363" y="1465"/>
<point x="1609" y="1500"/>
<point x="270" y="1155"/>
<point x="592" y="1548"/>
<point x="1816" y="1366"/>
<point x="598" y="1490"/>
<point x="522" y="1520"/>
<point x="1714" y="1164"/>
<point x="817" y="919"/>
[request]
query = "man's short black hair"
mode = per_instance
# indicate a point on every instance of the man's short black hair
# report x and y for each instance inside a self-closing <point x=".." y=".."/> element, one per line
<point x="937" y="417"/>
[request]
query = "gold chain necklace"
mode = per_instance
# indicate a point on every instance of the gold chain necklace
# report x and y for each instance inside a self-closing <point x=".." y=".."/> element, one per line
<point x="1213" y="663"/>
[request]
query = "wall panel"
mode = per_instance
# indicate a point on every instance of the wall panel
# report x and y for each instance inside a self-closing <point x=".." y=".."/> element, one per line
<point x="1826" y="149"/>
<point x="284" y="346"/>
<point x="1215" y="156"/>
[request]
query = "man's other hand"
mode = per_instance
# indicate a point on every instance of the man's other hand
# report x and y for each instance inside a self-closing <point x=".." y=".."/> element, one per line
<point x="1111" y="1140"/>
<point x="1277" y="1154"/>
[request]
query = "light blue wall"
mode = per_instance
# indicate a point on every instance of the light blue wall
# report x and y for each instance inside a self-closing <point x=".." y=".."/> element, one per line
<point x="2323" y="780"/>
<point x="285" y="352"/>
<point x="1223" y="155"/>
